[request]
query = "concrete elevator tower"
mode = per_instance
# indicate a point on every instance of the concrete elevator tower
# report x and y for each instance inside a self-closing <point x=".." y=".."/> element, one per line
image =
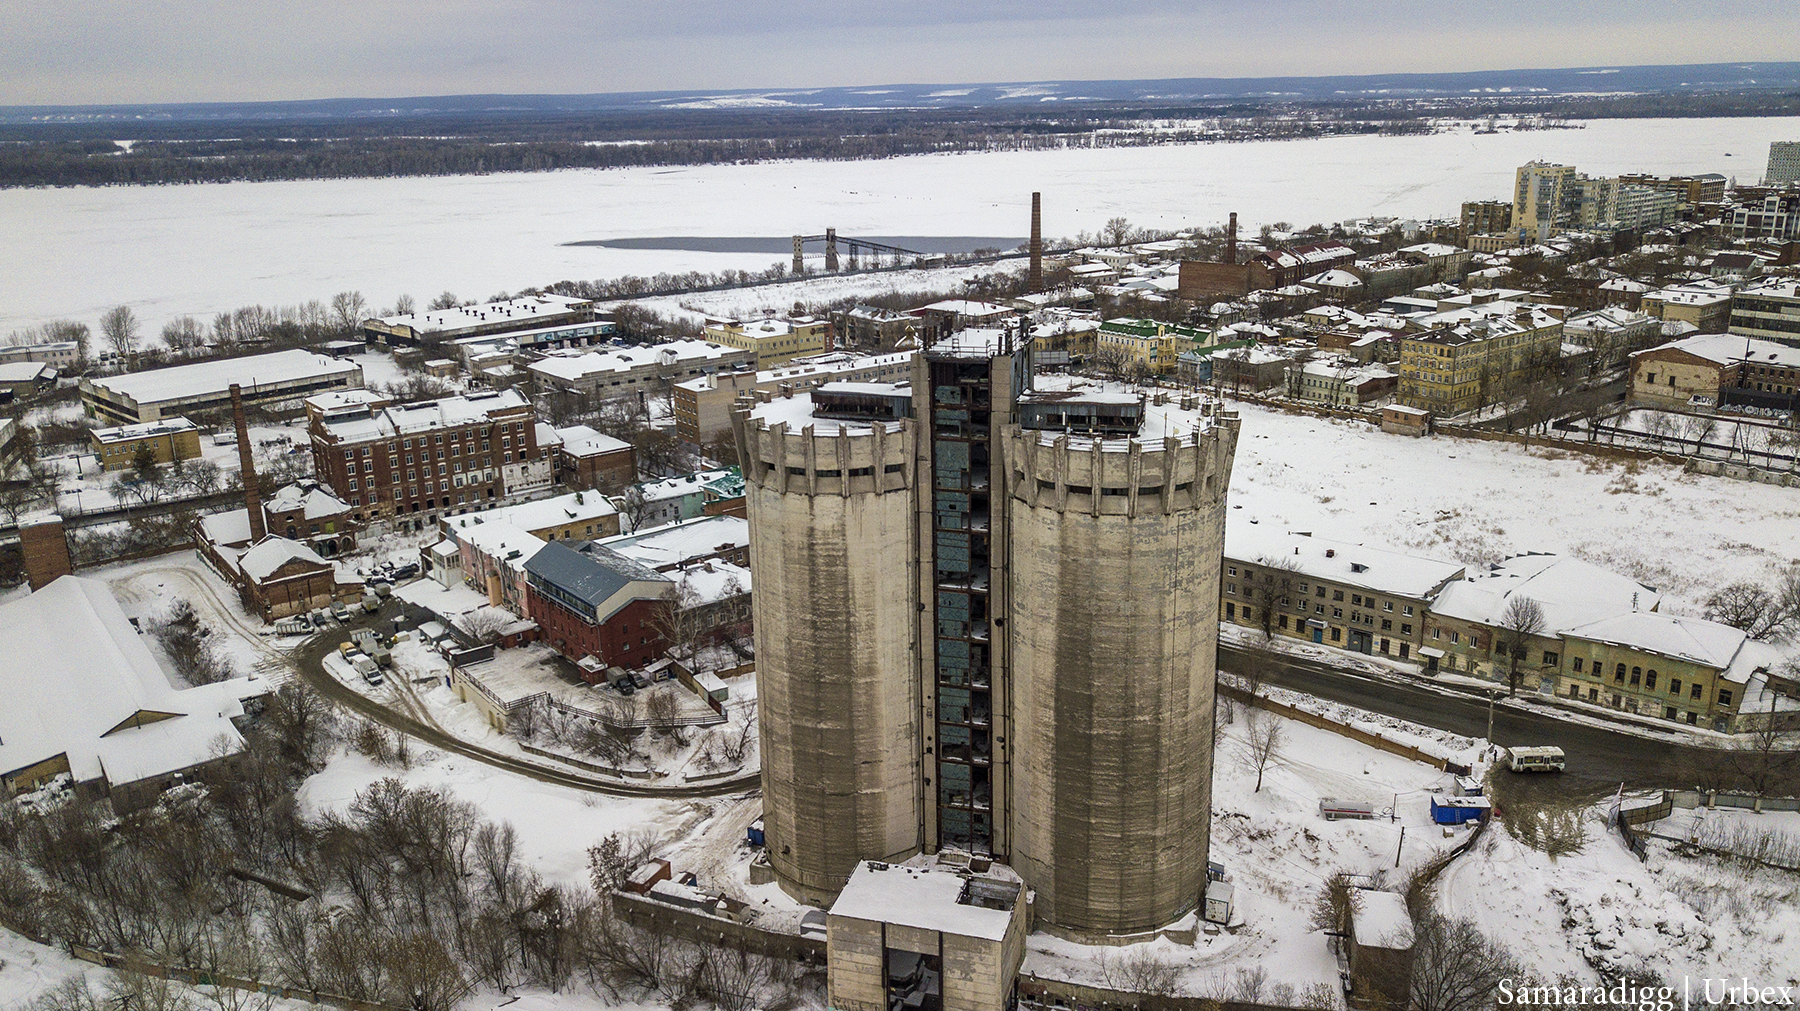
<point x="986" y="621"/>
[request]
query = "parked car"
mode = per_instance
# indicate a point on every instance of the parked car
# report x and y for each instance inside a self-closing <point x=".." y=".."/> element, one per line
<point x="638" y="682"/>
<point x="407" y="571"/>
<point x="318" y="618"/>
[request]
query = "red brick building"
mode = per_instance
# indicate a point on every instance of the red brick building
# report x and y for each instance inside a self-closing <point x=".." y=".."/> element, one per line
<point x="588" y="459"/>
<point x="592" y="601"/>
<point x="426" y="458"/>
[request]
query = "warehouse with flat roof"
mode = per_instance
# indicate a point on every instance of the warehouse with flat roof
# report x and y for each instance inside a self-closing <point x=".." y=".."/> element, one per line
<point x="281" y="376"/>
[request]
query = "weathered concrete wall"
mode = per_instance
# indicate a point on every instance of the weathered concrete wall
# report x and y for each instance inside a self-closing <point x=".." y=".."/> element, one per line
<point x="1115" y="561"/>
<point x="834" y="618"/>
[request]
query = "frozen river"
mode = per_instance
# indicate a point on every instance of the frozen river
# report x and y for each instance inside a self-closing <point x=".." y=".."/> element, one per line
<point x="168" y="250"/>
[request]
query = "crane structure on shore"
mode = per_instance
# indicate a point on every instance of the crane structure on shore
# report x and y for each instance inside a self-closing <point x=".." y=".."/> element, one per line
<point x="856" y="247"/>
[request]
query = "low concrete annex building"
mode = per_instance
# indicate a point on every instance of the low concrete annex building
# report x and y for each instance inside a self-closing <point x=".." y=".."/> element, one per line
<point x="925" y="937"/>
<point x="277" y="378"/>
<point x="167" y="440"/>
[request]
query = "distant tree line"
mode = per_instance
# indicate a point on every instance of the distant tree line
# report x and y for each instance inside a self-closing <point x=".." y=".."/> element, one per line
<point x="47" y="159"/>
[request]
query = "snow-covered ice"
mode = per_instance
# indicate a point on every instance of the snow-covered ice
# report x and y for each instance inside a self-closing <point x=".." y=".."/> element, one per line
<point x="170" y="250"/>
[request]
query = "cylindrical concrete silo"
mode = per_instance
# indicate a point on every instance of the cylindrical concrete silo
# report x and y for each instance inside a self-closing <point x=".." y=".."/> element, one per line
<point x="831" y="544"/>
<point x="1115" y="551"/>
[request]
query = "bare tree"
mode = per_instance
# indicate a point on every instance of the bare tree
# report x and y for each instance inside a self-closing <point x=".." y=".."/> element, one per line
<point x="1116" y="232"/>
<point x="1263" y="738"/>
<point x="1139" y="972"/>
<point x="1273" y="586"/>
<point x="444" y="301"/>
<point x="1455" y="967"/>
<point x="183" y="335"/>
<point x="348" y="309"/>
<point x="120" y="328"/>
<point x="1522" y="619"/>
<point x="486" y="624"/>
<point x="1748" y="606"/>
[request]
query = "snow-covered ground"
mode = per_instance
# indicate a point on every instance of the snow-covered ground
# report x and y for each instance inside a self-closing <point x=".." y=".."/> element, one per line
<point x="172" y="250"/>
<point x="1477" y="501"/>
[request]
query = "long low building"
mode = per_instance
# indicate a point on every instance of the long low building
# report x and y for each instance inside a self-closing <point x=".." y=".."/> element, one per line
<point x="627" y="371"/>
<point x="531" y="313"/>
<point x="275" y="378"/>
<point x="85" y="698"/>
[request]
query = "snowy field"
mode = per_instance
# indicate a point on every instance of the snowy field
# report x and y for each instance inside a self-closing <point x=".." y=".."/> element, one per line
<point x="1477" y="502"/>
<point x="170" y="250"/>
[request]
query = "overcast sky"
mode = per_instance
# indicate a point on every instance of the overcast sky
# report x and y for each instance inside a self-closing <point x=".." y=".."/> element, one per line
<point x="94" y="51"/>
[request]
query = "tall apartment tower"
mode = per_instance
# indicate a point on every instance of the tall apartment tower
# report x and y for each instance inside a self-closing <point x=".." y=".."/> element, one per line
<point x="1542" y="197"/>
<point x="1784" y="162"/>
<point x="986" y="622"/>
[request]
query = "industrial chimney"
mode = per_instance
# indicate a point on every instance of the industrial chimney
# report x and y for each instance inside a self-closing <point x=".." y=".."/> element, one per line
<point x="1036" y="279"/>
<point x="247" y="466"/>
<point x="1231" y="239"/>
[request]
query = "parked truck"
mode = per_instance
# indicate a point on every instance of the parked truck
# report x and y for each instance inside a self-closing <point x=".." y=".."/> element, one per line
<point x="366" y="666"/>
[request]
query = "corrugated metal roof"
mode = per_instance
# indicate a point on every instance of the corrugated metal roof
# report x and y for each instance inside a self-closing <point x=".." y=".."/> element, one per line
<point x="587" y="570"/>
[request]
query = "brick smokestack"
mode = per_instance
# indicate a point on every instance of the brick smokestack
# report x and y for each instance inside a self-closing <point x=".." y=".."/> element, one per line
<point x="1231" y="239"/>
<point x="247" y="466"/>
<point x="1035" y="283"/>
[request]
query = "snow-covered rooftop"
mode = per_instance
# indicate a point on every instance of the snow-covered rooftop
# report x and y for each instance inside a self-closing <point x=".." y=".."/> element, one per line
<point x="582" y="440"/>
<point x="673" y="544"/>
<point x="1380" y="920"/>
<point x="315" y="502"/>
<point x="271" y="553"/>
<point x="1725" y="349"/>
<point x="530" y="307"/>
<point x="1570" y="591"/>
<point x="1382" y="569"/>
<point x="203" y="378"/>
<point x="544" y="514"/>
<point x="575" y="367"/>
<point x="919" y="897"/>
<point x="423" y="416"/>
<point x="75" y="670"/>
<point x="1697" y="640"/>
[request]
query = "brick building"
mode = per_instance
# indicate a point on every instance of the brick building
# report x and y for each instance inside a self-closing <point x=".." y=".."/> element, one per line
<point x="1276" y="268"/>
<point x="593" y="601"/>
<point x="426" y="458"/>
<point x="167" y="440"/>
<point x="587" y="459"/>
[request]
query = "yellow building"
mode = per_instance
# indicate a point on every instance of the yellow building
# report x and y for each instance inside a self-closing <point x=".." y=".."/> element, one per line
<point x="1467" y="358"/>
<point x="1688" y="670"/>
<point x="1541" y="195"/>
<point x="774" y="340"/>
<point x="1155" y="346"/>
<point x="167" y="440"/>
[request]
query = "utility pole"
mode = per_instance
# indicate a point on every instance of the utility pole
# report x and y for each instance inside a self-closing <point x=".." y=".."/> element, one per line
<point x="1400" y="847"/>
<point x="1490" y="729"/>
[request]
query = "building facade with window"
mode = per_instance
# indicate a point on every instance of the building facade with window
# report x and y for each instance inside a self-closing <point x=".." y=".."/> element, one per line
<point x="774" y="341"/>
<point x="592" y="601"/>
<point x="1768" y="311"/>
<point x="427" y="458"/>
<point x="1462" y="359"/>
<point x="166" y="441"/>
<point x="1687" y="670"/>
<point x="1335" y="593"/>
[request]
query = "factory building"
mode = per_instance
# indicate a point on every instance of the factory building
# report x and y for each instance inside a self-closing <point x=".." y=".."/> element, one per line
<point x="1040" y="693"/>
<point x="280" y="377"/>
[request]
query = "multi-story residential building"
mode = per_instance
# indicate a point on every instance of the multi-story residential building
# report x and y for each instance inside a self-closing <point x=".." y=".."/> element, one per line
<point x="1486" y="217"/>
<point x="1352" y="596"/>
<point x="1690" y="191"/>
<point x="1766" y="213"/>
<point x="578" y="515"/>
<point x="639" y="372"/>
<point x="1768" y="311"/>
<point x="933" y="671"/>
<point x="1784" y="162"/>
<point x="702" y="406"/>
<point x="1705" y="304"/>
<point x="1641" y="207"/>
<point x="267" y="380"/>
<point x="1542" y="195"/>
<point x="1149" y="344"/>
<point x="1462" y="359"/>
<point x="493" y="559"/>
<point x="64" y="355"/>
<point x="1611" y="333"/>
<point x="1246" y="367"/>
<point x="867" y="328"/>
<point x="1341" y="383"/>
<point x="165" y="441"/>
<point x="426" y="459"/>
<point x="1467" y="630"/>
<point x="1687" y="670"/>
<point x="529" y="313"/>
<point x="773" y="340"/>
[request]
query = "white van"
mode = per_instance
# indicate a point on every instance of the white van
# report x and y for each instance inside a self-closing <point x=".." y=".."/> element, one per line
<point x="1535" y="759"/>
